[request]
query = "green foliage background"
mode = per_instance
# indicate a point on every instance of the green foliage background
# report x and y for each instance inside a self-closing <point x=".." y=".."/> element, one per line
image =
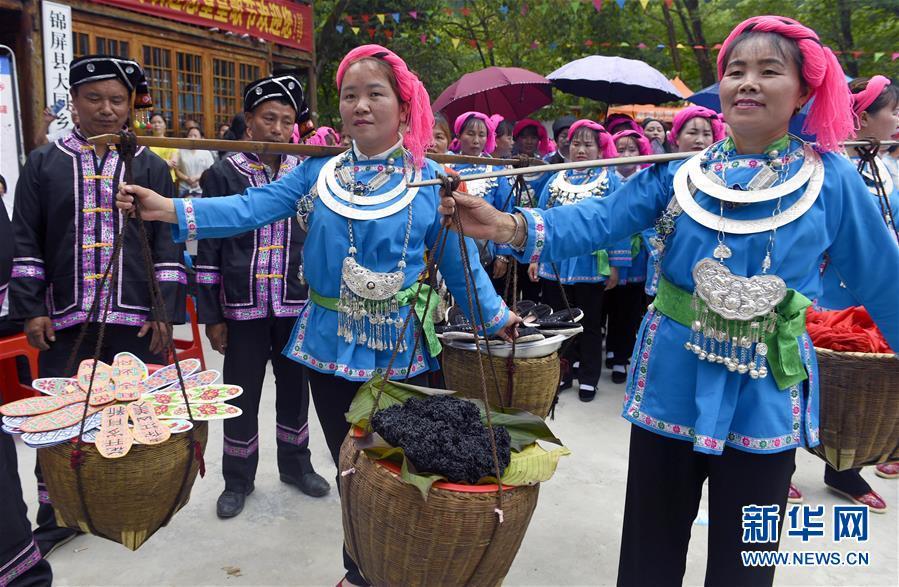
<point x="542" y="35"/>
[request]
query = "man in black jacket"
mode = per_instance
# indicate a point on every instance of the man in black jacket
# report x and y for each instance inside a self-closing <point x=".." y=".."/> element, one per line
<point x="250" y="294"/>
<point x="65" y="224"/>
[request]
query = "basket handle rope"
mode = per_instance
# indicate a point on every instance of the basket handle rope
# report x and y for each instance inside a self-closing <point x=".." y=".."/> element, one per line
<point x="127" y="151"/>
<point x="519" y="191"/>
<point x="868" y="158"/>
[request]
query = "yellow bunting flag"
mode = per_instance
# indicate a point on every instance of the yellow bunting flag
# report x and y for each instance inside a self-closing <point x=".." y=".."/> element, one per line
<point x="381" y="18"/>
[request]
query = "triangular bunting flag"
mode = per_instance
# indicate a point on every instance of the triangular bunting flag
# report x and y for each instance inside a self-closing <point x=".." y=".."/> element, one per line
<point x="644" y="3"/>
<point x="365" y="18"/>
<point x="381" y="17"/>
<point x="455" y="42"/>
<point x="624" y="44"/>
<point x="371" y="32"/>
<point x="895" y="56"/>
<point x="355" y="30"/>
<point x="388" y="33"/>
<point x="339" y="28"/>
<point x="396" y="17"/>
<point x="413" y="14"/>
<point x="349" y="19"/>
<point x="597" y="4"/>
<point x="423" y="38"/>
<point x="620" y="3"/>
<point x="681" y="46"/>
<point x="878" y="55"/>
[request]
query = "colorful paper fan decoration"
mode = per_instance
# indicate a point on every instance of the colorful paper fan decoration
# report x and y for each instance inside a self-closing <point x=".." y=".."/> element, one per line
<point x="127" y="405"/>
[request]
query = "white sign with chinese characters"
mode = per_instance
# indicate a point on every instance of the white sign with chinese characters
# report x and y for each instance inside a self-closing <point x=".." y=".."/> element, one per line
<point x="57" y="33"/>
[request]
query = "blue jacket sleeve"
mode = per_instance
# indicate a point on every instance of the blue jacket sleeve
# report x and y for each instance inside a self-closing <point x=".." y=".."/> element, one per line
<point x="597" y="223"/>
<point x="231" y="215"/>
<point x="859" y="233"/>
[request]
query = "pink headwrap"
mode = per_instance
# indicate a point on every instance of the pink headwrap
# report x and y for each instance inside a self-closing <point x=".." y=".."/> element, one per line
<point x="320" y="136"/>
<point x="619" y="119"/>
<point x="830" y="116"/>
<point x="691" y="112"/>
<point x="491" y="122"/>
<point x="606" y="144"/>
<point x="861" y="100"/>
<point x="544" y="147"/>
<point x="643" y="145"/>
<point x="418" y="132"/>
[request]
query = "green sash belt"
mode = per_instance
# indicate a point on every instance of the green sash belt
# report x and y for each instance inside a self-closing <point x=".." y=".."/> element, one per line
<point x="405" y="297"/>
<point x="784" y="359"/>
<point x="602" y="263"/>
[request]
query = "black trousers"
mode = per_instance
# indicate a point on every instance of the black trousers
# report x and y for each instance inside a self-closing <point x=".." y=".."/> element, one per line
<point x="251" y="345"/>
<point x="332" y="396"/>
<point x="664" y="486"/>
<point x="624" y="305"/>
<point x="21" y="564"/>
<point x="587" y="347"/>
<point x="52" y="363"/>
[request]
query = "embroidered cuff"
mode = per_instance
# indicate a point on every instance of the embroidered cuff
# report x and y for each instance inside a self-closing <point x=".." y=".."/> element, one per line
<point x="186" y="229"/>
<point x="533" y="246"/>
<point x="498" y="320"/>
<point x="209" y="277"/>
<point x="171" y="275"/>
<point x="32" y="271"/>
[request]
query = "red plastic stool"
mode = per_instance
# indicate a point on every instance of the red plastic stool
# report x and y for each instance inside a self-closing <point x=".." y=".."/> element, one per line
<point x="10" y="348"/>
<point x="191" y="349"/>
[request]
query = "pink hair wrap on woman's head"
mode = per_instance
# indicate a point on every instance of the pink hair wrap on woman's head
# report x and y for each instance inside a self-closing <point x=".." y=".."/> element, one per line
<point x="319" y="139"/>
<point x="618" y="119"/>
<point x="419" y="126"/>
<point x="544" y="147"/>
<point x="861" y="100"/>
<point x="491" y="122"/>
<point x="691" y="112"/>
<point x="830" y="116"/>
<point x="644" y="147"/>
<point x="606" y="144"/>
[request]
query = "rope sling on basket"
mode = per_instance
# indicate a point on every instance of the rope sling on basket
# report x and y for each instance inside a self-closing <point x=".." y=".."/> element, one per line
<point x="530" y="384"/>
<point x="392" y="533"/>
<point x="125" y="499"/>
<point x="859" y="400"/>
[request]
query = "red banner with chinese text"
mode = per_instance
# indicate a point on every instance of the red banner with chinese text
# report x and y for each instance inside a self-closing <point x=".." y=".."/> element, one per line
<point x="280" y="21"/>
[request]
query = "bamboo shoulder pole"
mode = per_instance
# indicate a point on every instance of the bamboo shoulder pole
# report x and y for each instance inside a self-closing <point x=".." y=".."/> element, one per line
<point x="266" y="148"/>
<point x="639" y="160"/>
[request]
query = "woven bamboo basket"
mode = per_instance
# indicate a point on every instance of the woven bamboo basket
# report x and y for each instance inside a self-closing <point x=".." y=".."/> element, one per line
<point x="127" y="499"/>
<point x="453" y="538"/>
<point x="535" y="381"/>
<point x="859" y="408"/>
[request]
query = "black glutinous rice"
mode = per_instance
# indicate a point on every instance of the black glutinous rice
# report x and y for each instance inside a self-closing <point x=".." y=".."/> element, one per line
<point x="444" y="435"/>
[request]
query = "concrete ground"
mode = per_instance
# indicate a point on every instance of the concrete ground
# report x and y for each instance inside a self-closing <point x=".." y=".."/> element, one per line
<point x="286" y="538"/>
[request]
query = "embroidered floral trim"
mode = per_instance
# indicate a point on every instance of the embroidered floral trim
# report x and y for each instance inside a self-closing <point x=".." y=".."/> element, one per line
<point x="32" y="271"/>
<point x="243" y="450"/>
<point x="539" y="233"/>
<point x="209" y="277"/>
<point x="171" y="275"/>
<point x="296" y="437"/>
<point x="704" y="442"/>
<point x="190" y="219"/>
<point x="79" y="317"/>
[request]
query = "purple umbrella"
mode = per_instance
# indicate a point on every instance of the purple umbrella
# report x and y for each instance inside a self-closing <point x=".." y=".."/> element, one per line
<point x="614" y="80"/>
<point x="511" y="92"/>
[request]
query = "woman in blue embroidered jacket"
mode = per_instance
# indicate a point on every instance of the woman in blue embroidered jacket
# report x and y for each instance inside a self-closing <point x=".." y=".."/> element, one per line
<point x="367" y="234"/>
<point x="476" y="137"/>
<point x="724" y="383"/>
<point x="586" y="277"/>
<point x="626" y="303"/>
<point x="875" y="102"/>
